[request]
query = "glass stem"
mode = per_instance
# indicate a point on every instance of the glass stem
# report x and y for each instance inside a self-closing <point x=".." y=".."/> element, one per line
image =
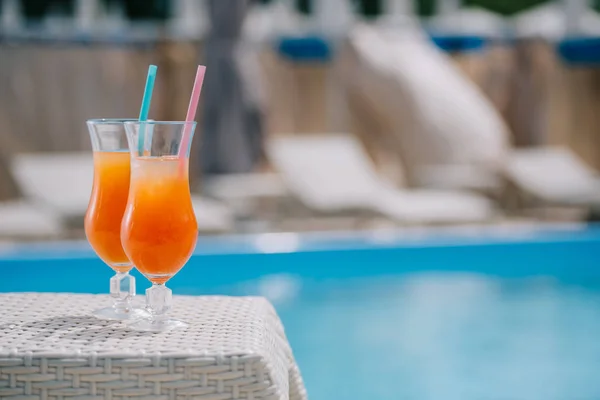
<point x="159" y="299"/>
<point x="122" y="290"/>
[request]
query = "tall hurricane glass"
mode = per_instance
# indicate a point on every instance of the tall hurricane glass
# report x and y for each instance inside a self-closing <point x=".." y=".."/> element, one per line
<point x="159" y="229"/>
<point x="105" y="212"/>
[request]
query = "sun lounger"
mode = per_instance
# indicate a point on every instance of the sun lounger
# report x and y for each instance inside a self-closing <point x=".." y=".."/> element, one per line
<point x="554" y="176"/>
<point x="212" y="216"/>
<point x="24" y="220"/>
<point x="233" y="187"/>
<point x="332" y="173"/>
<point x="63" y="182"/>
<point x="426" y="111"/>
<point x="19" y="218"/>
<point x="258" y="196"/>
<point x="439" y="138"/>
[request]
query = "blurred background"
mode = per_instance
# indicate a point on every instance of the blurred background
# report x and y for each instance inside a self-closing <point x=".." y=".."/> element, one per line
<point x="316" y="115"/>
<point x="413" y="184"/>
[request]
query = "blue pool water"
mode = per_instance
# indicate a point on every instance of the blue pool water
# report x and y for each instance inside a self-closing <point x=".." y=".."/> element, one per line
<point x="448" y="336"/>
<point x="445" y="316"/>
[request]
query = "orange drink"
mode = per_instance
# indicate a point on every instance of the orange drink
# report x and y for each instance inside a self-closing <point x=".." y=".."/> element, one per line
<point x="159" y="229"/>
<point x="106" y="207"/>
<point x="105" y="213"/>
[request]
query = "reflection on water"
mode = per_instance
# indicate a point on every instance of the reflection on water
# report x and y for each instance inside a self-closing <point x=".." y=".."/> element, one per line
<point x="444" y="336"/>
<point x="279" y="289"/>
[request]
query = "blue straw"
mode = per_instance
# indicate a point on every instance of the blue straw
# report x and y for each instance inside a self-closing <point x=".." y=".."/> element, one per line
<point x="146" y="100"/>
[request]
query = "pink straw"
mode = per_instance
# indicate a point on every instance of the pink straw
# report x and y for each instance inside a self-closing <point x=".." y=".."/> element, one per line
<point x="191" y="112"/>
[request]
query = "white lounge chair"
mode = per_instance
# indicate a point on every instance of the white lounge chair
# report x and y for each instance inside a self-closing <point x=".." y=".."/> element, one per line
<point x="23" y="220"/>
<point x="63" y="182"/>
<point x="255" y="195"/>
<point x="332" y="173"/>
<point x="212" y="216"/>
<point x="20" y="218"/>
<point x="234" y="187"/>
<point x="433" y="118"/>
<point x="454" y="138"/>
<point x="554" y="176"/>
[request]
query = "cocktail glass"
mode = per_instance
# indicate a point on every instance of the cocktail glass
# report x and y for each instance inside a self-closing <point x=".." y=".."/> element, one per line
<point x="105" y="212"/>
<point x="159" y="229"/>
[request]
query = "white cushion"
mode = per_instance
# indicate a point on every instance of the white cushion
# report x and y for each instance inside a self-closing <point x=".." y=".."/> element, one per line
<point x="63" y="181"/>
<point x="327" y="172"/>
<point x="430" y="206"/>
<point x="21" y="219"/>
<point x="245" y="186"/>
<point x="441" y="117"/>
<point x="333" y="173"/>
<point x="554" y="174"/>
<point x="211" y="215"/>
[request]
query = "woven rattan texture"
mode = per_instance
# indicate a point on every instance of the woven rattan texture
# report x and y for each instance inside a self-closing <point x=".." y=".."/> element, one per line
<point x="52" y="349"/>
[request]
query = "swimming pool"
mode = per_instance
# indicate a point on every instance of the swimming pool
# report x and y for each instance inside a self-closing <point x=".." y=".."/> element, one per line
<point x="414" y="315"/>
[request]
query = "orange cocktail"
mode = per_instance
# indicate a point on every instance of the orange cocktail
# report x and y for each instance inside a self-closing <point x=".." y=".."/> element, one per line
<point x="107" y="206"/>
<point x="105" y="213"/>
<point x="159" y="230"/>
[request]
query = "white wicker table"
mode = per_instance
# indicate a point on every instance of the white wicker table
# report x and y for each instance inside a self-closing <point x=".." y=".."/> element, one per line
<point x="52" y="349"/>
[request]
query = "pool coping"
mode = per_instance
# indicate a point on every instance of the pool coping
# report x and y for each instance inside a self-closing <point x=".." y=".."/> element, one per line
<point x="289" y="242"/>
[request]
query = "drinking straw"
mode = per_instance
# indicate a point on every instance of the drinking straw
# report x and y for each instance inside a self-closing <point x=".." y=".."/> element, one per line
<point x="145" y="109"/>
<point x="191" y="112"/>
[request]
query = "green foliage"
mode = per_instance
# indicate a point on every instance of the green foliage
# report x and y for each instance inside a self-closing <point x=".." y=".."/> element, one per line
<point x="135" y="9"/>
<point x="369" y="8"/>
<point x="37" y="9"/>
<point x="505" y="7"/>
<point x="425" y="8"/>
<point x="159" y="9"/>
<point x="147" y="9"/>
<point x="304" y="6"/>
<point x="33" y="9"/>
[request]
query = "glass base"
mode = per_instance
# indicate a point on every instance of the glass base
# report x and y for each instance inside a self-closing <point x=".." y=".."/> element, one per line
<point x="112" y="314"/>
<point x="162" y="325"/>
